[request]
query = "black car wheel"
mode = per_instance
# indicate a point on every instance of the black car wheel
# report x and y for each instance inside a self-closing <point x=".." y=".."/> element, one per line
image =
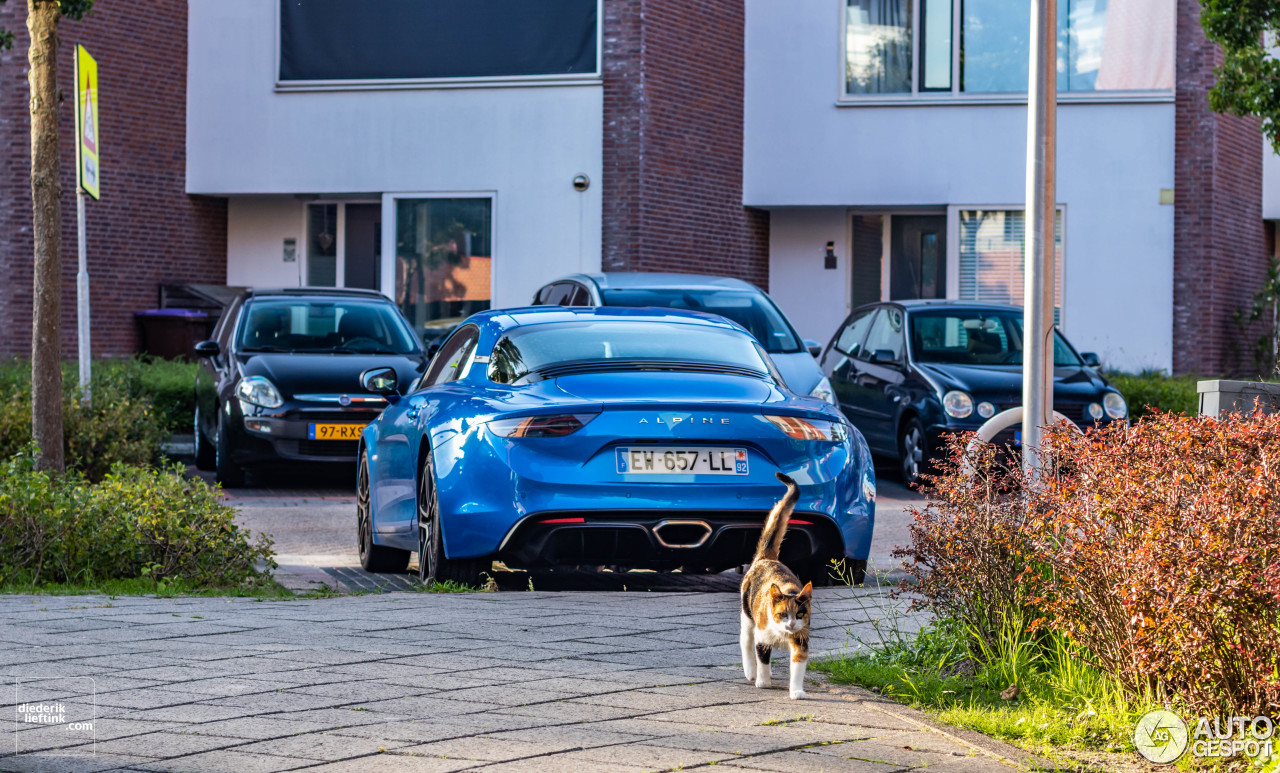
<point x="432" y="564"/>
<point x="913" y="451"/>
<point x="226" y="472"/>
<point x="206" y="454"/>
<point x="374" y="558"/>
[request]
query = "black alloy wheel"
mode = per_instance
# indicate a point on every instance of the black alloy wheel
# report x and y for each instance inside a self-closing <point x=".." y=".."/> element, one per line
<point x="374" y="558"/>
<point x="206" y="454"/>
<point x="226" y="471"/>
<point x="913" y="452"/>
<point x="432" y="564"/>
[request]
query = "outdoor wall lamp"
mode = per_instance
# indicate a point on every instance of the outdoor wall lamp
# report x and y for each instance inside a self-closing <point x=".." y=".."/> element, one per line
<point x="581" y="182"/>
<point x="829" y="260"/>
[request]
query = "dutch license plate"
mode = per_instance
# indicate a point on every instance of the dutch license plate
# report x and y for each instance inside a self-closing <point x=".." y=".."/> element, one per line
<point x="334" y="431"/>
<point x="668" y="460"/>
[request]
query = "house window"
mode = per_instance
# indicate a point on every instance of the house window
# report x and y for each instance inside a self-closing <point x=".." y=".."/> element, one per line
<point x="444" y="255"/>
<point x="953" y="47"/>
<point x="991" y="257"/>
<point x="341" y="41"/>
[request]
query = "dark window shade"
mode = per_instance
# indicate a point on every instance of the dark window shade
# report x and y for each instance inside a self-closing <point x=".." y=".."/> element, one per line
<point x="385" y="39"/>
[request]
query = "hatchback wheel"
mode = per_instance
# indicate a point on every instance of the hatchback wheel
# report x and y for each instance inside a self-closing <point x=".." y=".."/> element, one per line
<point x="206" y="454"/>
<point x="432" y="564"/>
<point x="913" y="452"/>
<point x="226" y="471"/>
<point x="374" y="558"/>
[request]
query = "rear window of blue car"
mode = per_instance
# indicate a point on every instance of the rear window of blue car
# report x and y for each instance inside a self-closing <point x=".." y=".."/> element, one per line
<point x="560" y="348"/>
<point x="750" y="309"/>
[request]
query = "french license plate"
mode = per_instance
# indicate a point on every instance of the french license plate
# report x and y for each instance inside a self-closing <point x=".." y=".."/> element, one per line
<point x="334" y="431"/>
<point x="669" y="460"/>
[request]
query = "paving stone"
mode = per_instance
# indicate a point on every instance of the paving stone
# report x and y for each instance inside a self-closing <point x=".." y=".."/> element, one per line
<point x="227" y="761"/>
<point x="320" y="746"/>
<point x="403" y="681"/>
<point x="165" y="743"/>
<point x="69" y="762"/>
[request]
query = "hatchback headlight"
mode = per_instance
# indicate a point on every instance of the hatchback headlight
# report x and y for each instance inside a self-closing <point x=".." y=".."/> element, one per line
<point x="823" y="391"/>
<point x="1114" y="405"/>
<point x="259" y="391"/>
<point x="957" y="404"/>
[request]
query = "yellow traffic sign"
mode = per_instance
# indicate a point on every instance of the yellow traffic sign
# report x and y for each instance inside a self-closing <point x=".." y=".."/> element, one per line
<point x="87" y="146"/>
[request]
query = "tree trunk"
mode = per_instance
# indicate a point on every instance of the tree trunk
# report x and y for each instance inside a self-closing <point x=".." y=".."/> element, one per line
<point x="46" y="192"/>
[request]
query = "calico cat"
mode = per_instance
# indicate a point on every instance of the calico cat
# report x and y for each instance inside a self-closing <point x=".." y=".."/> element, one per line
<point x="775" y="609"/>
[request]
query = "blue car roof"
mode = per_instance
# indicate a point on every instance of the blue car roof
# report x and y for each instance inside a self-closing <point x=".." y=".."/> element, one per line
<point x="620" y="280"/>
<point x="505" y="319"/>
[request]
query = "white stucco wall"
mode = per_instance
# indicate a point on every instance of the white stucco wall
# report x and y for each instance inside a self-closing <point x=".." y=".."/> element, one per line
<point x="522" y="144"/>
<point x="814" y="299"/>
<point x="1270" y="182"/>
<point x="801" y="150"/>
<point x="256" y="229"/>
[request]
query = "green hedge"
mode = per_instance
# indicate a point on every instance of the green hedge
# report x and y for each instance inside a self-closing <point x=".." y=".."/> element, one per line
<point x="136" y="404"/>
<point x="169" y="385"/>
<point x="1156" y="389"/>
<point x="135" y="522"/>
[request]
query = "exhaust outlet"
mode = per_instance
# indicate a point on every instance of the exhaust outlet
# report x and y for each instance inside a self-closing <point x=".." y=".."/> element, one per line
<point x="682" y="534"/>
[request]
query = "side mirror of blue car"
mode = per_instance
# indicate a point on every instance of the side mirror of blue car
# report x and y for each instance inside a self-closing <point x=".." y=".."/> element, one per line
<point x="1091" y="359"/>
<point x="813" y="346"/>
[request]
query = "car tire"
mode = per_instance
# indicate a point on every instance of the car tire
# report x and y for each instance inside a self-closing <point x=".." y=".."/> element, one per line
<point x="913" y="452"/>
<point x="226" y="471"/>
<point x="433" y="566"/>
<point x="821" y="573"/>
<point x="206" y="454"/>
<point x="373" y="558"/>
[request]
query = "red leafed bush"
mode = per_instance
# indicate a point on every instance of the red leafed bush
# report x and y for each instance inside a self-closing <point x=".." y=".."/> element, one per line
<point x="1161" y="544"/>
<point x="1155" y="547"/>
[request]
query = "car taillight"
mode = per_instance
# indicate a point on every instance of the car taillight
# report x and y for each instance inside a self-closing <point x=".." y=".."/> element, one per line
<point x="808" y="429"/>
<point x="541" y="426"/>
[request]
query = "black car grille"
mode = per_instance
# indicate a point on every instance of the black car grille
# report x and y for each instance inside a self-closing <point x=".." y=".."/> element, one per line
<point x="363" y="415"/>
<point x="334" y="448"/>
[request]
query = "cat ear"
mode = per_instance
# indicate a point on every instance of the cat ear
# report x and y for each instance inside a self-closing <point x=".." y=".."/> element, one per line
<point x="806" y="591"/>
<point x="774" y="591"/>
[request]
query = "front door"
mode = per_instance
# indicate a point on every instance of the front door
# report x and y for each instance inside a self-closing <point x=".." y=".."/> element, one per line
<point x="918" y="257"/>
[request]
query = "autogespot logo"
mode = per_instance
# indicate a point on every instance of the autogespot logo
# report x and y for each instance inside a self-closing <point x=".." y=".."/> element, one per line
<point x="1161" y="736"/>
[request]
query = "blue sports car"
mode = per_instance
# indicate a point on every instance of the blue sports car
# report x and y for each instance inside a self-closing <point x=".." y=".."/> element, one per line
<point x="632" y="438"/>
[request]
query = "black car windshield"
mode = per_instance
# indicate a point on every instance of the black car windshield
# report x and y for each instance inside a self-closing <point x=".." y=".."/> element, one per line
<point x="749" y="309"/>
<point x="622" y="344"/>
<point x="976" y="337"/>
<point x="339" y="326"/>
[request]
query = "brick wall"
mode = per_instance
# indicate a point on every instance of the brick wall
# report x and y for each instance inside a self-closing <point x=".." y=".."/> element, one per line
<point x="1220" y="249"/>
<point x="672" y="184"/>
<point x="145" y="231"/>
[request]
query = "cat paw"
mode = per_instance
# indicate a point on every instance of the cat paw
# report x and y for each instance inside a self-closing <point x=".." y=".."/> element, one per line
<point x="763" y="682"/>
<point x="797" y="695"/>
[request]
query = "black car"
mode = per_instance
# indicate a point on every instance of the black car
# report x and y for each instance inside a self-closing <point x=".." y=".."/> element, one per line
<point x="907" y="372"/>
<point x="280" y="379"/>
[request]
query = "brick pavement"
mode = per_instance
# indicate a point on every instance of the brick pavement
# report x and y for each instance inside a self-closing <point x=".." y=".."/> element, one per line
<point x="510" y="681"/>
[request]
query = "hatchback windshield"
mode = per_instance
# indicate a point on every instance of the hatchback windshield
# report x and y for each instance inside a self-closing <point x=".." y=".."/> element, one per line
<point x="976" y="337"/>
<point x="340" y="327"/>
<point x="624" y="345"/>
<point x="749" y="309"/>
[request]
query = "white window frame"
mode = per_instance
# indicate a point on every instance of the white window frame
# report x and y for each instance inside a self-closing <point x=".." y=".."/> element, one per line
<point x="339" y="238"/>
<point x="400" y="84"/>
<point x="956" y="97"/>
<point x="389" y="232"/>
<point x="953" y="248"/>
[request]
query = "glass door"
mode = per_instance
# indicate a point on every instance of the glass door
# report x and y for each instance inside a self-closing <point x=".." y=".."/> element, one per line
<point x="443" y="260"/>
<point x="918" y="257"/>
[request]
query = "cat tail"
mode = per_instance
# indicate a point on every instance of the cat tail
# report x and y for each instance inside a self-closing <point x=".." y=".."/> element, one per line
<point x="775" y="526"/>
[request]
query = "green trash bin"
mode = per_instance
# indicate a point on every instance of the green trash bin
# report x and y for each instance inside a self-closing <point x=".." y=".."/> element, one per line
<point x="173" y="333"/>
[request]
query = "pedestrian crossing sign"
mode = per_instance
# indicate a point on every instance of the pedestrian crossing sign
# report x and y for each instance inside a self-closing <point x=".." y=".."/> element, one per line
<point x="87" y="140"/>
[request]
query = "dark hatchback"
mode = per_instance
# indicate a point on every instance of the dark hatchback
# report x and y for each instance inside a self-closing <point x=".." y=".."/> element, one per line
<point x="280" y="379"/>
<point x="907" y="372"/>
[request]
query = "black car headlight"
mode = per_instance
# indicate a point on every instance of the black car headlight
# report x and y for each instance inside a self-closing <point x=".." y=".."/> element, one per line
<point x="957" y="404"/>
<point x="1115" y="405"/>
<point x="258" y="390"/>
